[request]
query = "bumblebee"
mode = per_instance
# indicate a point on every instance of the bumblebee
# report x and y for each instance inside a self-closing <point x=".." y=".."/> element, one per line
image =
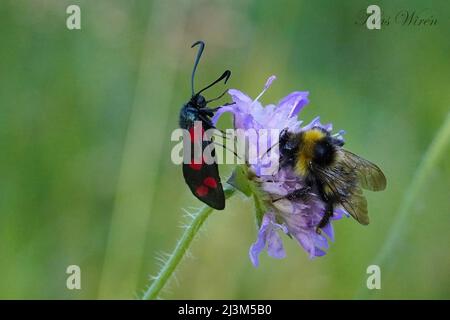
<point x="336" y="175"/>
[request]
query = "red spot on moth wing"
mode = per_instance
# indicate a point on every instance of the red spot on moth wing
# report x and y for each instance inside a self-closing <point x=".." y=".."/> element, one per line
<point x="210" y="182"/>
<point x="195" y="166"/>
<point x="201" y="191"/>
<point x="194" y="137"/>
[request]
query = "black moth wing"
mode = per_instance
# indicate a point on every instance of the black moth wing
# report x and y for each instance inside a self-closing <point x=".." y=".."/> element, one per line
<point x="203" y="179"/>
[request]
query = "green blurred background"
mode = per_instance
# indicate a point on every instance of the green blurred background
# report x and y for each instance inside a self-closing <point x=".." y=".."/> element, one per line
<point x="85" y="123"/>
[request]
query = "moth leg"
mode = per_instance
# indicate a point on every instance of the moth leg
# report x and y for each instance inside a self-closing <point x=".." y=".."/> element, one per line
<point x="223" y="135"/>
<point x="210" y="125"/>
<point x="228" y="104"/>
<point x="206" y="120"/>
<point x="226" y="148"/>
<point x="217" y="108"/>
<point x="210" y="111"/>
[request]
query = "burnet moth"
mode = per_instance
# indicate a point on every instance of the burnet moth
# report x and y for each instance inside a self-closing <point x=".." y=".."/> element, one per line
<point x="201" y="176"/>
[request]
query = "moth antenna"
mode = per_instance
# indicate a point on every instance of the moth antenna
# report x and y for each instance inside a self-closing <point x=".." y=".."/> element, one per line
<point x="197" y="60"/>
<point x="226" y="75"/>
<point x="217" y="97"/>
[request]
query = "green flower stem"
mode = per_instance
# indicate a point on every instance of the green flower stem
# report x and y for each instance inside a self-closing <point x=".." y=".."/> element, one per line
<point x="431" y="156"/>
<point x="178" y="253"/>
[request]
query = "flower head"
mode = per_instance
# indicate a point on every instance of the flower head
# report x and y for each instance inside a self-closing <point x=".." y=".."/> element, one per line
<point x="277" y="213"/>
<point x="250" y="114"/>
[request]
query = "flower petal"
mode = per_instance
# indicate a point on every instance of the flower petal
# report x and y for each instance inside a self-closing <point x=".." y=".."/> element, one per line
<point x="319" y="253"/>
<point x="306" y="242"/>
<point x="275" y="245"/>
<point x="293" y="103"/>
<point x="329" y="231"/>
<point x="268" y="235"/>
<point x="221" y="111"/>
<point x="239" y="96"/>
<point x="339" y="213"/>
<point x="320" y="241"/>
<point x="260" y="243"/>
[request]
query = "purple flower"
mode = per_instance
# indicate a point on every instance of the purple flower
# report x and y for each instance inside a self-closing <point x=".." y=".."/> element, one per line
<point x="250" y="114"/>
<point x="296" y="218"/>
<point x="268" y="236"/>
<point x="300" y="217"/>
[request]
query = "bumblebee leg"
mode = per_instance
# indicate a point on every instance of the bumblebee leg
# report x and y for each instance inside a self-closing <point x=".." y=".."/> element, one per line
<point x="326" y="217"/>
<point x="296" y="194"/>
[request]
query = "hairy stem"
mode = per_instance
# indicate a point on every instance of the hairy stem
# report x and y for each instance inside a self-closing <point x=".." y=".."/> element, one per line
<point x="178" y="253"/>
<point x="431" y="156"/>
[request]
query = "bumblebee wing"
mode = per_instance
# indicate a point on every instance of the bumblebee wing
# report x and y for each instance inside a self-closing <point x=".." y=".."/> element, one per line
<point x="340" y="182"/>
<point x="204" y="181"/>
<point x="370" y="177"/>
<point x="356" y="206"/>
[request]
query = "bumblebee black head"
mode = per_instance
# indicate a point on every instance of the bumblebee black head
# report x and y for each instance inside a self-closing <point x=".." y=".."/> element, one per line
<point x="324" y="152"/>
<point x="197" y="98"/>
